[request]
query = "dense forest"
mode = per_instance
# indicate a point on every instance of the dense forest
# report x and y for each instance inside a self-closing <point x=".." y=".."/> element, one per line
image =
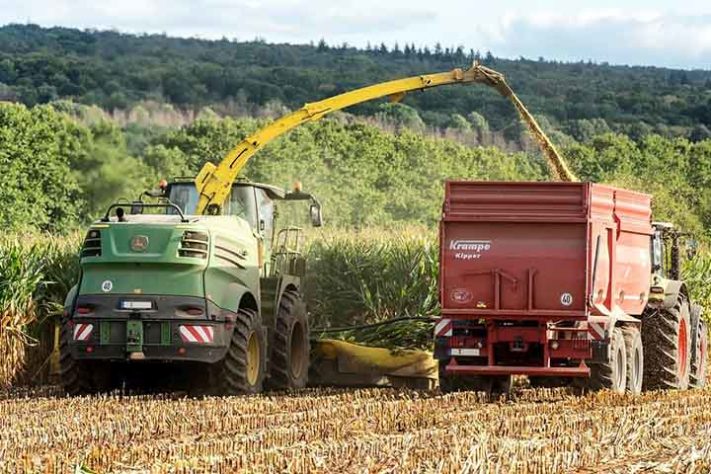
<point x="115" y="71"/>
<point x="60" y="169"/>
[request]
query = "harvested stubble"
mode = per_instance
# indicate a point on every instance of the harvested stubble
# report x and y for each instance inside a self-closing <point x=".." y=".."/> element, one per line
<point x="360" y="431"/>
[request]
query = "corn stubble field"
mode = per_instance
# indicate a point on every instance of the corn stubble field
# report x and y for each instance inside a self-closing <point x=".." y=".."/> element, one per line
<point x="378" y="430"/>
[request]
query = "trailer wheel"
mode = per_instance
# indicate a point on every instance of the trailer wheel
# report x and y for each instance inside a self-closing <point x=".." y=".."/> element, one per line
<point x="242" y="369"/>
<point x="699" y="360"/>
<point x="666" y="335"/>
<point x="635" y="359"/>
<point x="80" y="377"/>
<point x="290" y="348"/>
<point x="611" y="374"/>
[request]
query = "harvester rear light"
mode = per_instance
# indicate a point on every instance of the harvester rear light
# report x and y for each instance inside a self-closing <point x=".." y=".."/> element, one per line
<point x="193" y="244"/>
<point x="92" y="244"/>
<point x="84" y="310"/>
<point x="194" y="311"/>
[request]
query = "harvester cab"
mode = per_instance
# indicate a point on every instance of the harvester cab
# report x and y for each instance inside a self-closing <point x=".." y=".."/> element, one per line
<point x="221" y="293"/>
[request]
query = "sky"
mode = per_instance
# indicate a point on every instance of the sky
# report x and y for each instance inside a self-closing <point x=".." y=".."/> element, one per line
<point x="651" y="32"/>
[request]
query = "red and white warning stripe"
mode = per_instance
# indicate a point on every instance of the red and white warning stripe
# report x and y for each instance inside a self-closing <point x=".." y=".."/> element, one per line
<point x="443" y="328"/>
<point x="197" y="334"/>
<point x="596" y="330"/>
<point x="82" y="331"/>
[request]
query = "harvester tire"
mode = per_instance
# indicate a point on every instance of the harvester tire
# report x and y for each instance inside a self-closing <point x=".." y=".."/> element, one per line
<point x="611" y="374"/>
<point x="242" y="370"/>
<point x="635" y="359"/>
<point x="666" y="335"/>
<point x="700" y="344"/>
<point x="80" y="377"/>
<point x="290" y="349"/>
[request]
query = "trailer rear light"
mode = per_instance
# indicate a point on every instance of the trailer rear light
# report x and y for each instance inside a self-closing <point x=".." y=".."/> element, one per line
<point x="193" y="244"/>
<point x="92" y="244"/>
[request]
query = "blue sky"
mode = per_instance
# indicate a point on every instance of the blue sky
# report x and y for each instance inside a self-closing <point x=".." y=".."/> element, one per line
<point x="652" y="32"/>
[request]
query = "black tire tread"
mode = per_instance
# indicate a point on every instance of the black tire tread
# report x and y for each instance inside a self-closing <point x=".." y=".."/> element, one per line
<point x="280" y="377"/>
<point x="660" y="340"/>
<point x="229" y="376"/>
<point x="601" y="373"/>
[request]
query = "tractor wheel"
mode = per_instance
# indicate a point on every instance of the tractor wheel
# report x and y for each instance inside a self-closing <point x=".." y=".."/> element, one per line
<point x="491" y="385"/>
<point x="242" y="369"/>
<point x="290" y="350"/>
<point x="666" y="335"/>
<point x="611" y="374"/>
<point x="700" y="345"/>
<point x="80" y="377"/>
<point x="549" y="382"/>
<point x="635" y="359"/>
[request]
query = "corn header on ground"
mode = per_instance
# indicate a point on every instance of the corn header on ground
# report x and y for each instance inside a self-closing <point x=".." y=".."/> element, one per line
<point x="374" y="430"/>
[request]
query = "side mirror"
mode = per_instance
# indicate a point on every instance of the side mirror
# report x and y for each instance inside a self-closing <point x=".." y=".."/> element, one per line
<point x="315" y="214"/>
<point x="692" y="248"/>
<point x="137" y="207"/>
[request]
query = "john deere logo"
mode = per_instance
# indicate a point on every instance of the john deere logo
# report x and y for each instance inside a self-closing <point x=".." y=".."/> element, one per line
<point x="139" y="243"/>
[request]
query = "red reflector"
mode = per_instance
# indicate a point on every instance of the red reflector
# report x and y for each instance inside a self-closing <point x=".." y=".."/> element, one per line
<point x="194" y="311"/>
<point x="181" y="350"/>
<point x="83" y="310"/>
<point x="89" y="349"/>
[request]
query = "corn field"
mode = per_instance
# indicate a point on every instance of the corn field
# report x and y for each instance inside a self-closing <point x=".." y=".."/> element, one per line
<point x="538" y="431"/>
<point x="354" y="277"/>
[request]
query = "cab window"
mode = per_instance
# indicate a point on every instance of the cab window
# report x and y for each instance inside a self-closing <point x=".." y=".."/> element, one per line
<point x="265" y="207"/>
<point x="241" y="203"/>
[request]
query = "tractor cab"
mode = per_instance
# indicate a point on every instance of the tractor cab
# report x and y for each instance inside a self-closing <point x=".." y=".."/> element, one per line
<point x="667" y="243"/>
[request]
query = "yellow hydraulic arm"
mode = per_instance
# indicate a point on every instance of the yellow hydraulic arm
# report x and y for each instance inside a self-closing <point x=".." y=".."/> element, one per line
<point x="215" y="182"/>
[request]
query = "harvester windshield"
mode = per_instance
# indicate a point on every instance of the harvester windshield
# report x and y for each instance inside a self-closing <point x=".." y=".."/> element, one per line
<point x="241" y="202"/>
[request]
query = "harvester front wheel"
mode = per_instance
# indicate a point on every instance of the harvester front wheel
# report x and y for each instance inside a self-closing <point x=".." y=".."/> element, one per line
<point x="80" y="377"/>
<point x="611" y="374"/>
<point x="290" y="349"/>
<point x="242" y="369"/>
<point x="700" y="344"/>
<point x="666" y="335"/>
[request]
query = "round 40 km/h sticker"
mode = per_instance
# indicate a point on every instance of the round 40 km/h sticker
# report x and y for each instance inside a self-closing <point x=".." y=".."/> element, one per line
<point x="566" y="299"/>
<point x="107" y="286"/>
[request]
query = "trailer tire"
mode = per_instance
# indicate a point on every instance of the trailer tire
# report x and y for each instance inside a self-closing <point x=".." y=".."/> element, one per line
<point x="666" y="335"/>
<point x="700" y="344"/>
<point x="242" y="370"/>
<point x="635" y="359"/>
<point x="290" y="347"/>
<point x="612" y="374"/>
<point x="80" y="377"/>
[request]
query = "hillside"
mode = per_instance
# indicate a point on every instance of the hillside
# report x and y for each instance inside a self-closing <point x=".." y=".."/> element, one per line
<point x="115" y="70"/>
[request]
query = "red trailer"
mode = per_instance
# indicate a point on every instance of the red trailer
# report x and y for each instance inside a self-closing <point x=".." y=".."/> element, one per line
<point x="554" y="280"/>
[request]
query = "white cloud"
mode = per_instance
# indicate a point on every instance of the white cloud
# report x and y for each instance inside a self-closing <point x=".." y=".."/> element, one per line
<point x="643" y="32"/>
<point x="640" y="37"/>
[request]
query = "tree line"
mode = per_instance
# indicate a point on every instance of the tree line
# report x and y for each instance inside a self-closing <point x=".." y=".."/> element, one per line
<point x="116" y="70"/>
<point x="60" y="170"/>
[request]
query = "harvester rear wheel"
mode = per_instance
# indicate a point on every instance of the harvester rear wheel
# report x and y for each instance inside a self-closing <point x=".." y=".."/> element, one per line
<point x="635" y="359"/>
<point x="80" y="377"/>
<point x="666" y="335"/>
<point x="290" y="349"/>
<point x="611" y="374"/>
<point x="700" y="344"/>
<point x="242" y="369"/>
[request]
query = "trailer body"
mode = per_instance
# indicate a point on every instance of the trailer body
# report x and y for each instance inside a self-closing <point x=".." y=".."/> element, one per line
<point x="533" y="275"/>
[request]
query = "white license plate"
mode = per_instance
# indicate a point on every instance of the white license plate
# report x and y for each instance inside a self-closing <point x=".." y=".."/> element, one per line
<point x="465" y="352"/>
<point x="136" y="305"/>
